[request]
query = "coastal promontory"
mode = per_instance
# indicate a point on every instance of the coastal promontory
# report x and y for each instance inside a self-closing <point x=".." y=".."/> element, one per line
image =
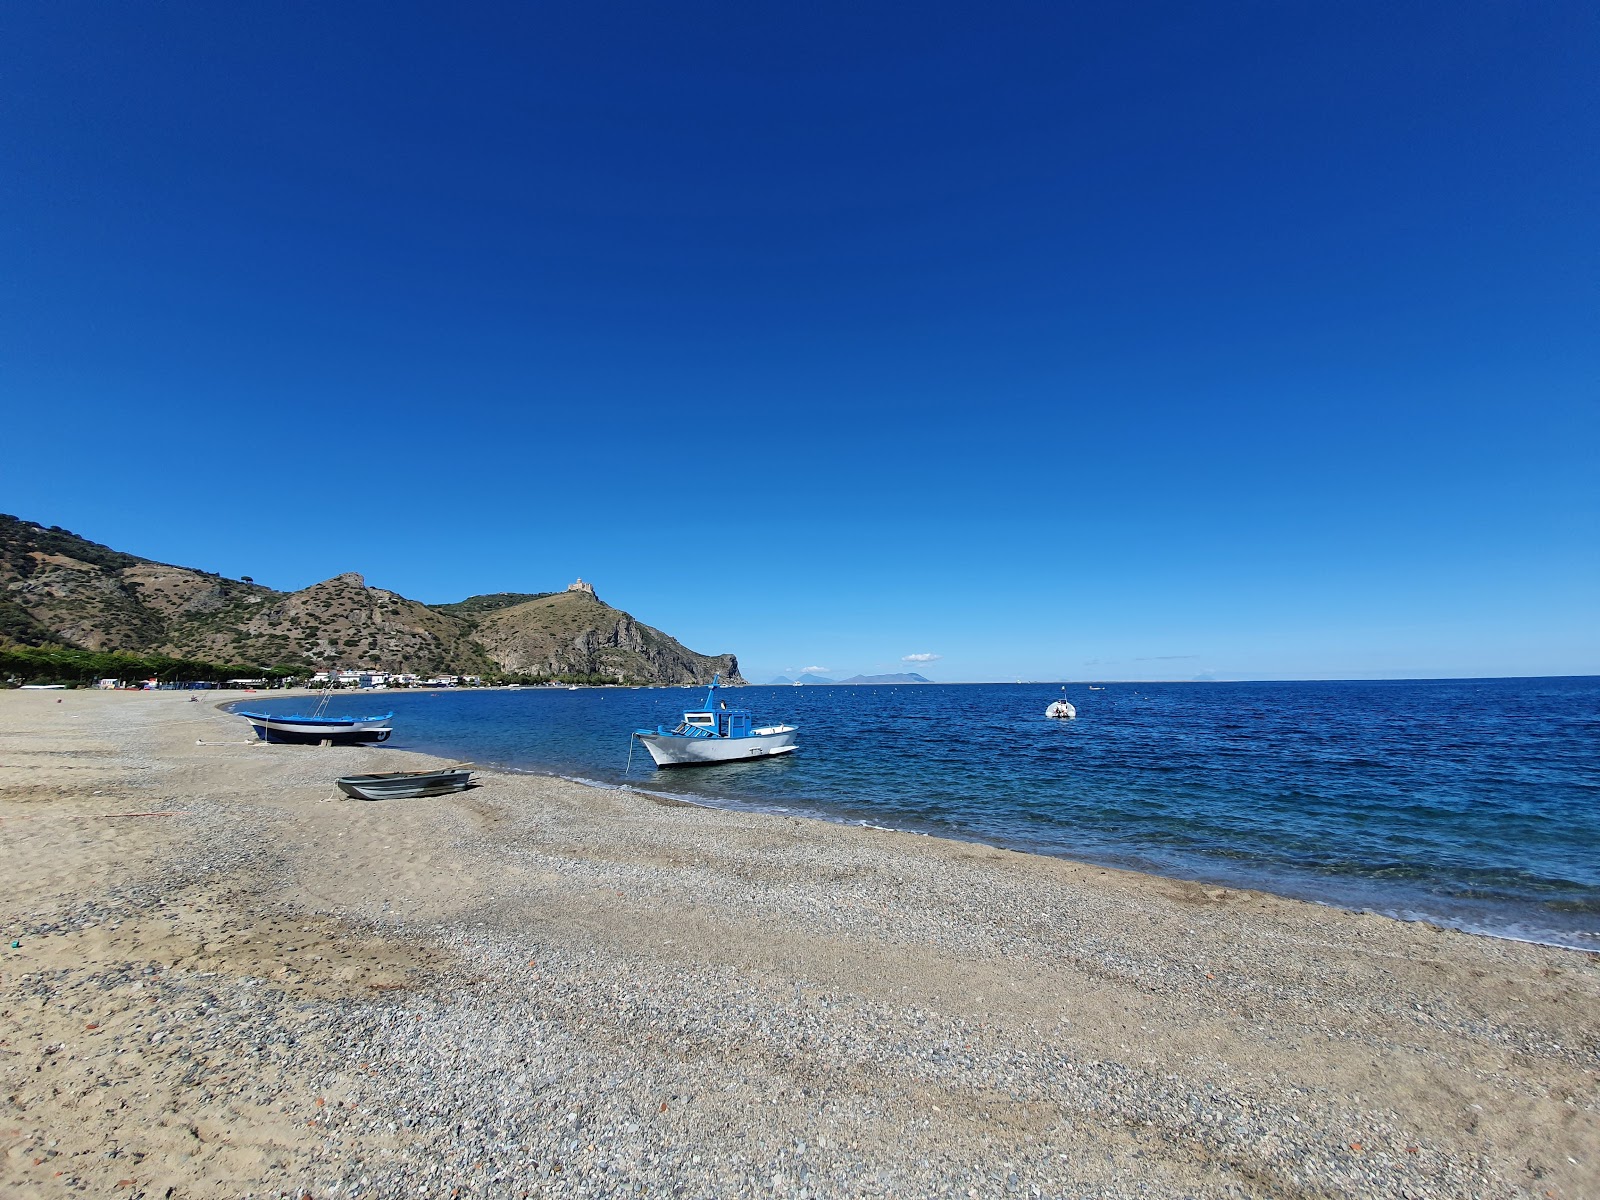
<point x="60" y="589"/>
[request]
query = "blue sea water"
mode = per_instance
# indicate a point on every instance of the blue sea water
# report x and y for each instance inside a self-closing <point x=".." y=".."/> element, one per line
<point x="1470" y="803"/>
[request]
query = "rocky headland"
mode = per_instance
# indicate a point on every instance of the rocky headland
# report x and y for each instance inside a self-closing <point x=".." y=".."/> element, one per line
<point x="61" y="589"/>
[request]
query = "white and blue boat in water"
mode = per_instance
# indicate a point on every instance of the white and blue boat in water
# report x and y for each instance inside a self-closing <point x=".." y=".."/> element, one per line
<point x="715" y="733"/>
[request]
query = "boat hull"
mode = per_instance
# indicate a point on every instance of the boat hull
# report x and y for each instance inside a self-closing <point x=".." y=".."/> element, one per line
<point x="314" y="730"/>
<point x="404" y="785"/>
<point x="671" y="750"/>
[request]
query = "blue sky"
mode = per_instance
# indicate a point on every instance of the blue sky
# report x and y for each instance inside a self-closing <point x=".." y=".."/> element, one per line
<point x="1144" y="341"/>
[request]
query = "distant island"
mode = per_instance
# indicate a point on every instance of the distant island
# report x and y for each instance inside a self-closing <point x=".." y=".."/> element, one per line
<point x="904" y="677"/>
<point x="72" y="609"/>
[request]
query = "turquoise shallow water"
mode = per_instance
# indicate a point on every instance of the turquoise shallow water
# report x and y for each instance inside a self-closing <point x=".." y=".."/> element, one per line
<point x="1472" y="803"/>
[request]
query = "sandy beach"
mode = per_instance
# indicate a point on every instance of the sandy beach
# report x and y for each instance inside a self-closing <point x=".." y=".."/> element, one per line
<point x="221" y="980"/>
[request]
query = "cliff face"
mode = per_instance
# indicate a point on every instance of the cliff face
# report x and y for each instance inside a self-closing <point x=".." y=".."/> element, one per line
<point x="58" y="587"/>
<point x="572" y="632"/>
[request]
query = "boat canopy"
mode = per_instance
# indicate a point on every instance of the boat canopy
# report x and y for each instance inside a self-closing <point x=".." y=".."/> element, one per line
<point x="712" y="719"/>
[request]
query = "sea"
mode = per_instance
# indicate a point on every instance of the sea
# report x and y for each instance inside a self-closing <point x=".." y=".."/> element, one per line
<point x="1472" y="804"/>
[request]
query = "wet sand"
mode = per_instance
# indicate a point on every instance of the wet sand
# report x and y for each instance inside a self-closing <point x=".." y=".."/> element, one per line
<point x="231" y="983"/>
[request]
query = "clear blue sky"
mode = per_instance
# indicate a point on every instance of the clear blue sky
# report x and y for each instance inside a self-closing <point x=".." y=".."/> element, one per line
<point x="1123" y="341"/>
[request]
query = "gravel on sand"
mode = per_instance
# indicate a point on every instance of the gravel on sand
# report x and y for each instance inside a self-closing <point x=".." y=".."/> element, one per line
<point x="228" y="982"/>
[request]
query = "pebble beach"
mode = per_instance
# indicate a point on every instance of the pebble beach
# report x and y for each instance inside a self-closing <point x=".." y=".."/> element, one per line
<point x="221" y="979"/>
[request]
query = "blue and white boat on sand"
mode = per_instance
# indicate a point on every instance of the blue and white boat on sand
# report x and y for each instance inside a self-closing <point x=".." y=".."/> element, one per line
<point x="715" y="733"/>
<point x="271" y="727"/>
<point x="317" y="727"/>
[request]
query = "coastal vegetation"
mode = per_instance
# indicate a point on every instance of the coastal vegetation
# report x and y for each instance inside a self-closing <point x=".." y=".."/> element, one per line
<point x="73" y="666"/>
<point x="69" y="665"/>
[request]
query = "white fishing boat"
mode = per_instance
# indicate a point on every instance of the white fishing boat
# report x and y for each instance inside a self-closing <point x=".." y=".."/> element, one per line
<point x="715" y="733"/>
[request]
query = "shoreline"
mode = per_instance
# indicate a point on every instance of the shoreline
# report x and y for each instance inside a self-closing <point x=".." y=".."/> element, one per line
<point x="553" y="987"/>
<point x="1263" y="880"/>
<point x="1435" y="922"/>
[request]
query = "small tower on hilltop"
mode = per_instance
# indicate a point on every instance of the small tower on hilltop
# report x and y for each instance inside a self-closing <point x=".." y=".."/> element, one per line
<point x="581" y="586"/>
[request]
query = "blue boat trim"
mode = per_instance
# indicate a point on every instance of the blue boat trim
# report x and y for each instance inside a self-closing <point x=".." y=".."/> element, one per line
<point x="309" y="720"/>
<point x="316" y="727"/>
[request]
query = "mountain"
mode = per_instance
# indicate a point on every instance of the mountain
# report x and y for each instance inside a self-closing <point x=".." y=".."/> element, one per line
<point x="813" y="679"/>
<point x="58" y="587"/>
<point x="906" y="677"/>
<point x="341" y="621"/>
<point x="574" y="632"/>
<point x="780" y="681"/>
<point x="474" y="607"/>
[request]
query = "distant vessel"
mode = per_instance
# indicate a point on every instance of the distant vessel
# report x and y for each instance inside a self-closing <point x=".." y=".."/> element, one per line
<point x="1092" y="688"/>
<point x="715" y="733"/>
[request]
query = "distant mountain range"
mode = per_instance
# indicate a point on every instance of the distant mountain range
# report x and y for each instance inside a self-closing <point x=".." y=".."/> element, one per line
<point x="59" y="588"/>
<point x="905" y="677"/>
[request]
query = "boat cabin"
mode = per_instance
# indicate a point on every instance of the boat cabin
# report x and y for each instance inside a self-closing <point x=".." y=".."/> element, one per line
<point x="725" y="722"/>
<point x="715" y="718"/>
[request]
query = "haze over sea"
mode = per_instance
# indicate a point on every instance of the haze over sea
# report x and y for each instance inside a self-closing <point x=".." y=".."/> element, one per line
<point x="1470" y="803"/>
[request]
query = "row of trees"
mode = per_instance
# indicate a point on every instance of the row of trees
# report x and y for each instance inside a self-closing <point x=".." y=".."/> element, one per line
<point x="21" y="664"/>
<point x="61" y="664"/>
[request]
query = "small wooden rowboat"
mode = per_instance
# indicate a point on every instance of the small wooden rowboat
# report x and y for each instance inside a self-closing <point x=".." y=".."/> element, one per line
<point x="403" y="785"/>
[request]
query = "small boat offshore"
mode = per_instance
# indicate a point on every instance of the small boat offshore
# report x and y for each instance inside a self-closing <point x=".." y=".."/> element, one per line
<point x="1061" y="709"/>
<point x="404" y="785"/>
<point x="715" y="733"/>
